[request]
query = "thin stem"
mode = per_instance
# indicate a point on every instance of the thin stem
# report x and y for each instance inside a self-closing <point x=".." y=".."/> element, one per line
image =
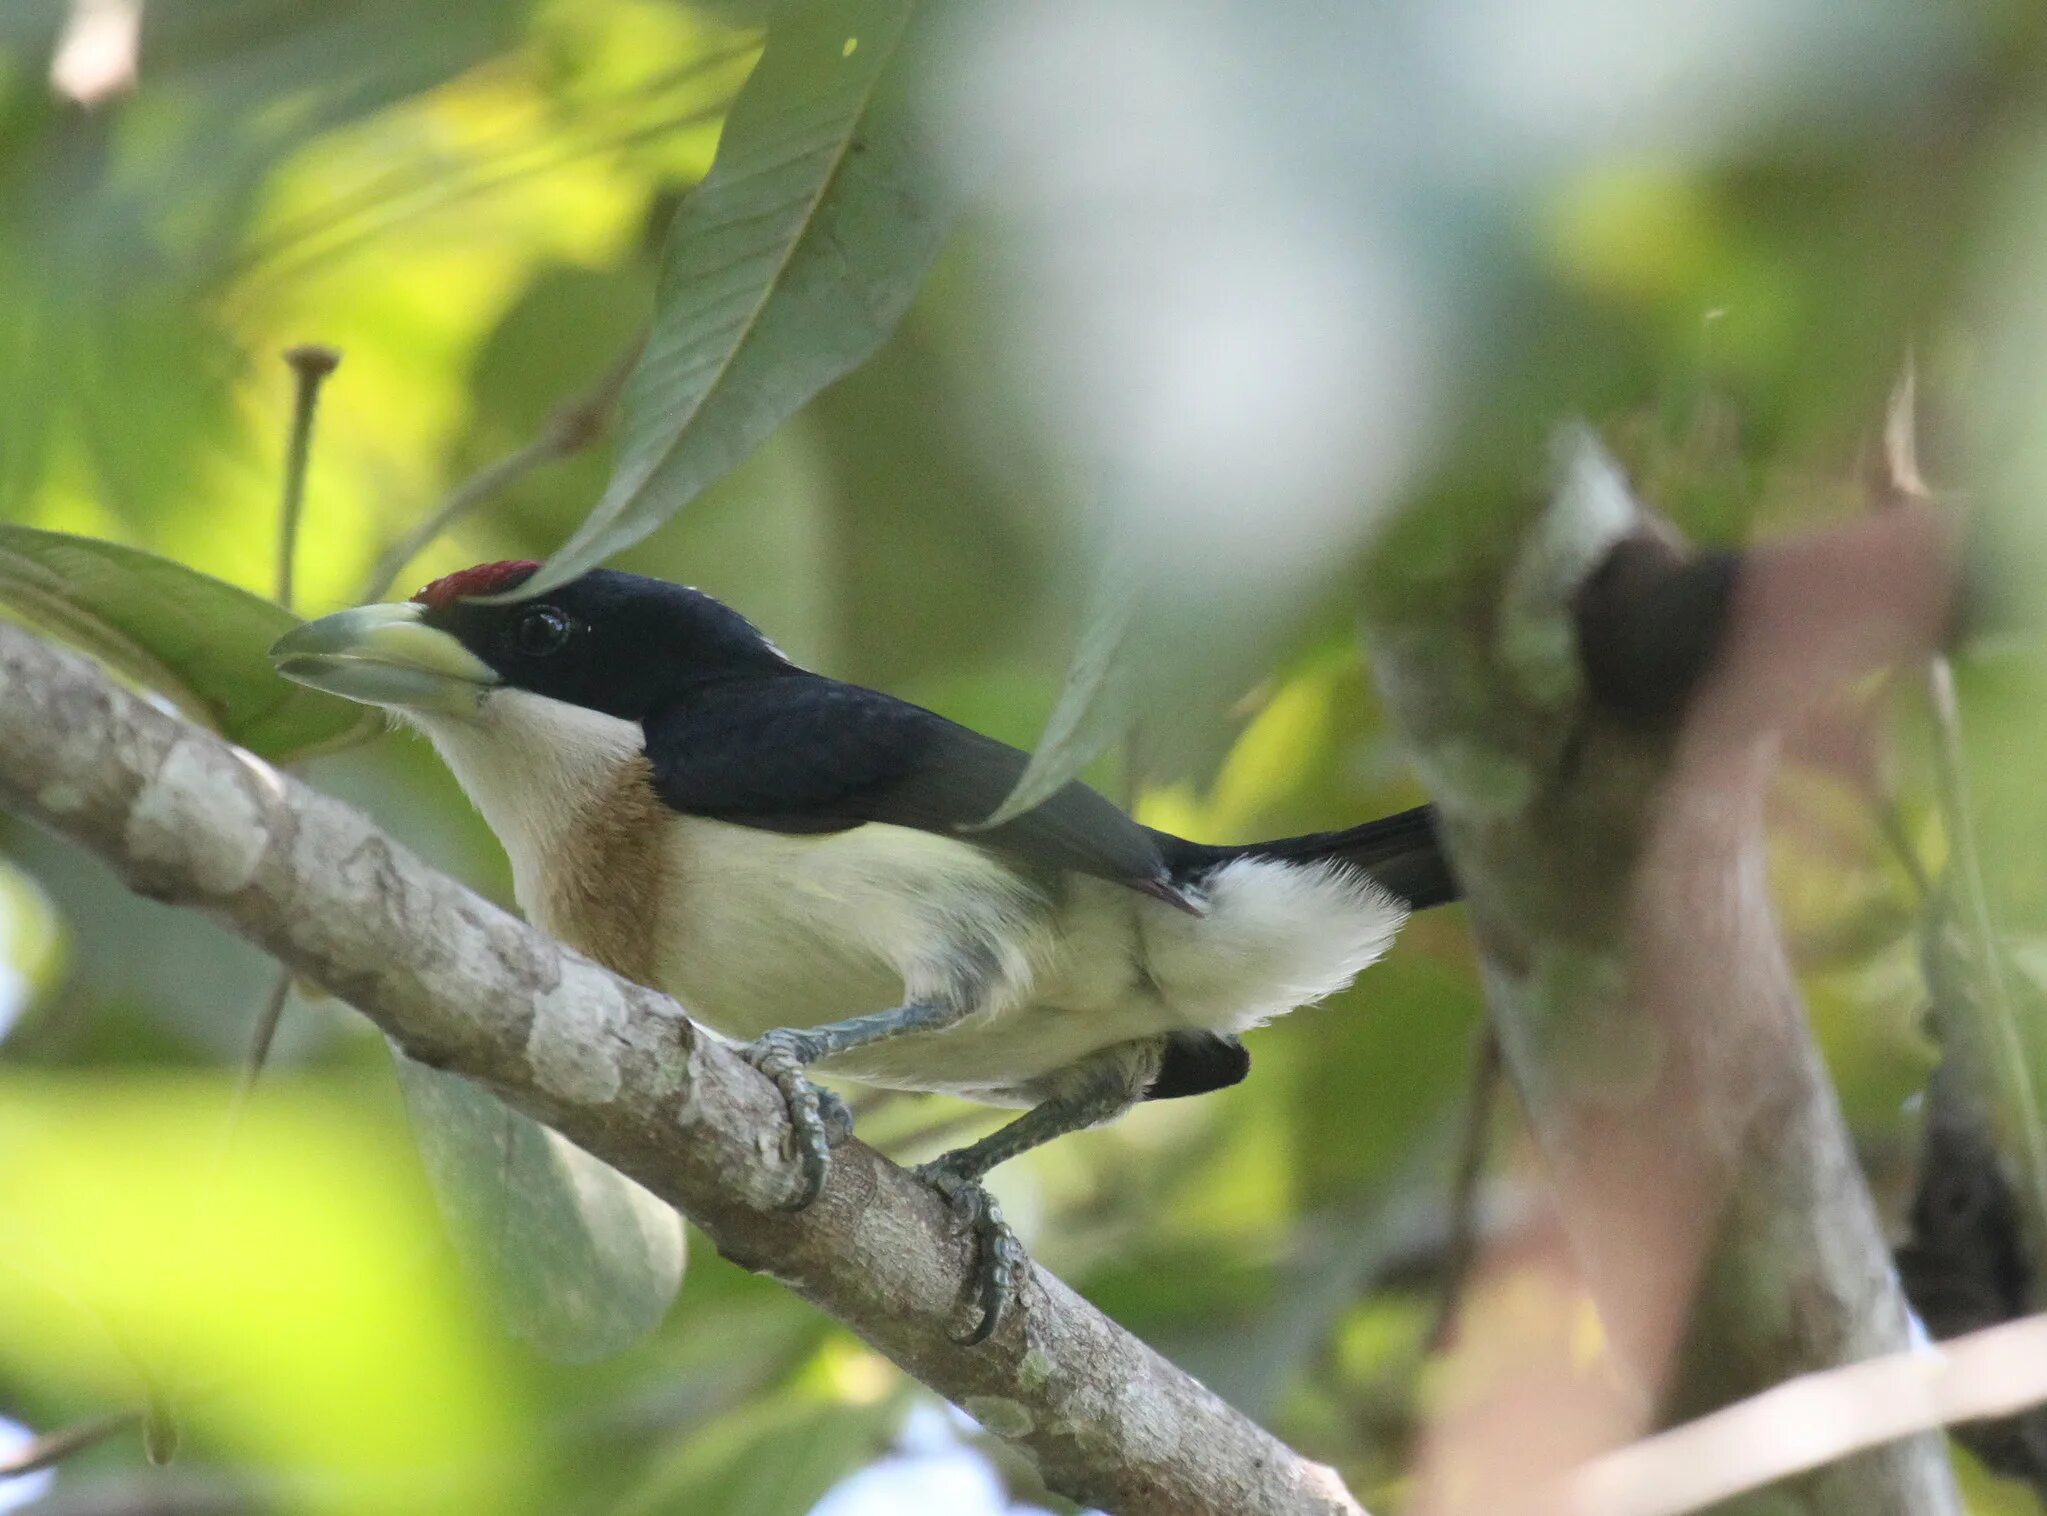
<point x="2011" y="1065"/>
<point x="162" y="1432"/>
<point x="259" y="1045"/>
<point x="310" y="366"/>
<point x="1891" y="825"/>
<point x="1460" y="1247"/>
<point x="53" y="1448"/>
<point x="1997" y="1053"/>
<point x="569" y="430"/>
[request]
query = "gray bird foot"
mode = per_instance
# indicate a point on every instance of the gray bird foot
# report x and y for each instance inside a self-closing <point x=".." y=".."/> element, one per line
<point x="818" y="1119"/>
<point x="999" y="1257"/>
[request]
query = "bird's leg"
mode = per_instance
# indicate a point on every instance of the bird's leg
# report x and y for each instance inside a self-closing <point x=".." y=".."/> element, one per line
<point x="1090" y="1093"/>
<point x="998" y="1255"/>
<point x="818" y="1117"/>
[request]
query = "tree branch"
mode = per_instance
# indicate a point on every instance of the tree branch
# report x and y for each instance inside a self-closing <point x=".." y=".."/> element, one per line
<point x="1815" y="1419"/>
<point x="1595" y="711"/>
<point x="52" y="1448"/>
<point x="617" y="1068"/>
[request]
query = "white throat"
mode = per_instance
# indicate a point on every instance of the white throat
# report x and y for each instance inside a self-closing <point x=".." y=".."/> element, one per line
<point x="534" y="767"/>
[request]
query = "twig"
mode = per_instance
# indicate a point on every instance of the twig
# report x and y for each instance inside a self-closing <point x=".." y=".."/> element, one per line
<point x="2001" y="1059"/>
<point x="1817" y="1419"/>
<point x="1461" y="1245"/>
<point x="162" y="1423"/>
<point x="2009" y="1068"/>
<point x="569" y="430"/>
<point x="260" y="1039"/>
<point x="52" y="1448"/>
<point x="310" y="366"/>
<point x="158" y="1493"/>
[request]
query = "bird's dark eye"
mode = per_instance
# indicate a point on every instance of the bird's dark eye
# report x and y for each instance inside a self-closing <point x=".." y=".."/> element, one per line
<point x="541" y="631"/>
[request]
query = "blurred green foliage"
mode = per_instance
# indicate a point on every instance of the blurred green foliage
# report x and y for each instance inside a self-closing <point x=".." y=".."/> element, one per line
<point x="195" y="641"/>
<point x="283" y="1296"/>
<point x="468" y="199"/>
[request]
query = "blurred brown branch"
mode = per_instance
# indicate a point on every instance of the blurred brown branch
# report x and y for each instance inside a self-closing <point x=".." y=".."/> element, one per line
<point x="52" y="1448"/>
<point x="155" y="1495"/>
<point x="1596" y="712"/>
<point x="1460" y="1249"/>
<point x="184" y="818"/>
<point x="1817" y="1419"/>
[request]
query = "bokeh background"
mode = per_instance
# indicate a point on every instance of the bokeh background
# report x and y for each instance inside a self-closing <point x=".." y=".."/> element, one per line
<point x="1235" y="283"/>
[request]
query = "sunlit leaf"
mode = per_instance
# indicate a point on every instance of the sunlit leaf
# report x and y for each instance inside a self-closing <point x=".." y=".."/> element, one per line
<point x="785" y="268"/>
<point x="276" y="1296"/>
<point x="581" y="1261"/>
<point x="197" y="641"/>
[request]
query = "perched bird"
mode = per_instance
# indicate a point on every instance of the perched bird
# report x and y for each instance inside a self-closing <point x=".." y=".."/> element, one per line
<point x="802" y="864"/>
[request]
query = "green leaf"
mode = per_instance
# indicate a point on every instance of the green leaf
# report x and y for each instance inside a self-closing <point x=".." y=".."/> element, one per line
<point x="785" y="268"/>
<point x="775" y="1454"/>
<point x="1094" y="707"/>
<point x="199" y="642"/>
<point x="580" y="1260"/>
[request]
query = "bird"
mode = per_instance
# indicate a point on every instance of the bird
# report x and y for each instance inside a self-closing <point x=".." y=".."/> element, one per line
<point x="806" y="866"/>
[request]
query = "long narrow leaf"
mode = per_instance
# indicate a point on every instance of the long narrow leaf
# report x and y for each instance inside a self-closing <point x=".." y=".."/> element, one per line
<point x="1094" y="709"/>
<point x="580" y="1261"/>
<point x="197" y="641"/>
<point x="786" y="267"/>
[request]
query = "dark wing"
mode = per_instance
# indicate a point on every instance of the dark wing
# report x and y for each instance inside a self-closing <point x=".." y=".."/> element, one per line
<point x="801" y="753"/>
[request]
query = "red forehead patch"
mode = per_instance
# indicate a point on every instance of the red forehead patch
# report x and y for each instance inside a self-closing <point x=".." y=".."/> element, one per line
<point x="484" y="579"/>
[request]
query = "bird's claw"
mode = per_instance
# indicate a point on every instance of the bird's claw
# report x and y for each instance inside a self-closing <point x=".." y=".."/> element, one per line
<point x="837" y="1116"/>
<point x="999" y="1257"/>
<point x="818" y="1119"/>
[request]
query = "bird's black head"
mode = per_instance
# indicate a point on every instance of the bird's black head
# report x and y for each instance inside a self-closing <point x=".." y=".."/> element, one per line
<point x="611" y="642"/>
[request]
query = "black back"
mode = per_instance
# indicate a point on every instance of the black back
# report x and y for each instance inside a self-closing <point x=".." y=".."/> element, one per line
<point x="809" y="754"/>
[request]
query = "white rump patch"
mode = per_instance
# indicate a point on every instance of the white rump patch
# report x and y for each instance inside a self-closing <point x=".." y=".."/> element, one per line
<point x="1277" y="935"/>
